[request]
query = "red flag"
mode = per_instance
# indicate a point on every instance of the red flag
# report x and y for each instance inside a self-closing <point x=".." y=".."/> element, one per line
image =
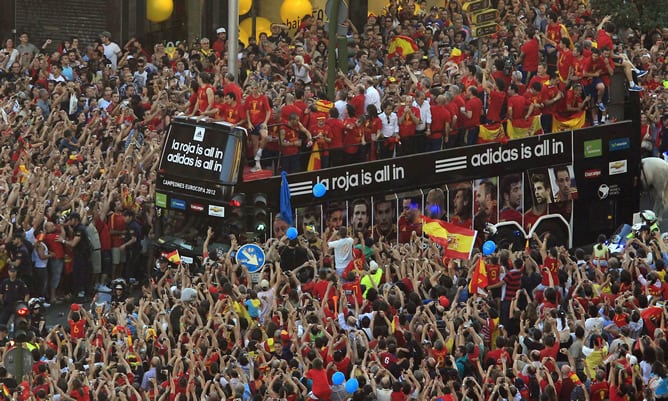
<point x="479" y="280"/>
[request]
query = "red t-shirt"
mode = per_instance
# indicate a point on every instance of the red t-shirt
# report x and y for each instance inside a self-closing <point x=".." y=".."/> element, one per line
<point x="530" y="50"/>
<point x="336" y="127"/>
<point x="495" y="105"/>
<point x="518" y="104"/>
<point x="320" y="385"/>
<point x="77" y="329"/>
<point x="552" y="266"/>
<point x="406" y="125"/>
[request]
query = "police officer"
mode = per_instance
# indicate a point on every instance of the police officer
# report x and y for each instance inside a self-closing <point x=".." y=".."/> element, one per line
<point x="19" y="257"/>
<point x="12" y="291"/>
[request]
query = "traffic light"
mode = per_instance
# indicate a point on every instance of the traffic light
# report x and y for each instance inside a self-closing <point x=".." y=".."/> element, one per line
<point x="236" y="222"/>
<point x="258" y="215"/>
<point x="22" y="325"/>
<point x="238" y="200"/>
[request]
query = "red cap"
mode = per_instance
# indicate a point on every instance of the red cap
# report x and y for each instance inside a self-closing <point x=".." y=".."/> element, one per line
<point x="74" y="307"/>
<point x="444" y="301"/>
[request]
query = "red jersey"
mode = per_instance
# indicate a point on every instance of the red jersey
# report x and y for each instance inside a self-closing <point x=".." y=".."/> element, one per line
<point x="56" y="247"/>
<point x="530" y="50"/>
<point x="234" y="88"/>
<point x="603" y="39"/>
<point x="77" y="329"/>
<point x="353" y="291"/>
<point x="290" y="135"/>
<point x="474" y="105"/>
<point x="289" y="109"/>
<point x="202" y="98"/>
<point x="358" y="104"/>
<point x="257" y="108"/>
<point x="493" y="273"/>
<point x="406" y="125"/>
<point x="552" y="266"/>
<point x="495" y="104"/>
<point x="234" y="113"/>
<point x="117" y="223"/>
<point x="564" y="63"/>
<point x="352" y="135"/>
<point x="440" y="116"/>
<point x="517" y="107"/>
<point x="336" y="130"/>
<point x="103" y="231"/>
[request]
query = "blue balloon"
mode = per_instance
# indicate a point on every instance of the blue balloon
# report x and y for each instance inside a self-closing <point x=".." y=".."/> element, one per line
<point x="338" y="378"/>
<point x="488" y="248"/>
<point x="319" y="190"/>
<point x="352" y="385"/>
<point x="291" y="233"/>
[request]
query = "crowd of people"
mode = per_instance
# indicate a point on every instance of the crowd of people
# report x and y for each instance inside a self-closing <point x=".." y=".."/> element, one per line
<point x="333" y="316"/>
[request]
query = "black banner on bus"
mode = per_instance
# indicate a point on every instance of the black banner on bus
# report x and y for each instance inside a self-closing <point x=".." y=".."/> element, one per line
<point x="425" y="170"/>
<point x="202" y="153"/>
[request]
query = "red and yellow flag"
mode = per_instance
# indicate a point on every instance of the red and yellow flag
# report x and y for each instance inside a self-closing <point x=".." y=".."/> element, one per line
<point x="314" y="160"/>
<point x="456" y="241"/>
<point x="523" y="128"/>
<point x="490" y="133"/>
<point x="560" y="123"/>
<point x="174" y="257"/>
<point x="479" y="279"/>
<point x="401" y="46"/>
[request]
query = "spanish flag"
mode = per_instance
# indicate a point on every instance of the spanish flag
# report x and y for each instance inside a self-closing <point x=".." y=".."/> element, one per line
<point x="174" y="257"/>
<point x="523" y="128"/>
<point x="401" y="46"/>
<point x="314" y="160"/>
<point x="479" y="279"/>
<point x="490" y="133"/>
<point x="456" y="241"/>
<point x="563" y="123"/>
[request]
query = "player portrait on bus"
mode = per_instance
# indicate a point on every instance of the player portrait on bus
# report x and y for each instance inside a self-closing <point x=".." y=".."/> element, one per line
<point x="434" y="206"/>
<point x="541" y="196"/>
<point x="486" y="203"/>
<point x="460" y="196"/>
<point x="563" y="185"/>
<point x="511" y="197"/>
<point x="310" y="219"/>
<point x="359" y="215"/>
<point x="335" y="216"/>
<point x="385" y="219"/>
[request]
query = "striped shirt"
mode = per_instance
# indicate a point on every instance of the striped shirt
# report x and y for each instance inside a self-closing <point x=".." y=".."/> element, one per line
<point x="513" y="280"/>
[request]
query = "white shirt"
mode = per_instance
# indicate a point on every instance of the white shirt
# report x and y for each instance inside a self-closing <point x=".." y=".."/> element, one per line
<point x="341" y="107"/>
<point x="372" y="96"/>
<point x="390" y="125"/>
<point x="111" y="52"/>
<point x="301" y="73"/>
<point x="267" y="298"/>
<point x="425" y="114"/>
<point x="343" y="253"/>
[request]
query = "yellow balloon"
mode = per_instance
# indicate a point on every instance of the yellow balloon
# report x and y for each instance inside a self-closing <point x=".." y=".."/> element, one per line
<point x="261" y="25"/>
<point x="245" y="6"/>
<point x="295" y="10"/>
<point x="243" y="36"/>
<point x="159" y="10"/>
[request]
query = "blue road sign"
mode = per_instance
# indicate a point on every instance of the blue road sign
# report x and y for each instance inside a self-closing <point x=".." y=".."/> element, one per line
<point x="251" y="257"/>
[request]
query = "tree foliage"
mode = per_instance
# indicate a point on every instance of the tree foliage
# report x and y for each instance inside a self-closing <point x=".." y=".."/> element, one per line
<point x="644" y="15"/>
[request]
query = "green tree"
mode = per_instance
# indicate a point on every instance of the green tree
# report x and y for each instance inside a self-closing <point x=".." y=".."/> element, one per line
<point x="637" y="14"/>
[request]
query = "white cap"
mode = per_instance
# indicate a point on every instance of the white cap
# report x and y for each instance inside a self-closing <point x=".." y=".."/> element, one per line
<point x="264" y="284"/>
<point x="221" y="30"/>
<point x="373" y="266"/>
<point x="188" y="295"/>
